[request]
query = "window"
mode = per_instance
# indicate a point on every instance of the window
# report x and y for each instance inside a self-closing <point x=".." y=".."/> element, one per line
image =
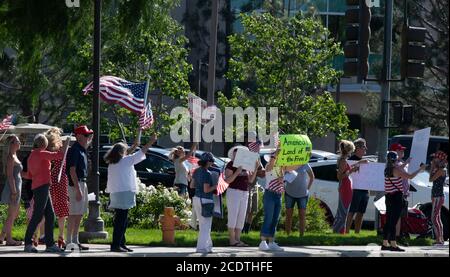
<point x="154" y="164"/>
<point x="325" y="172"/>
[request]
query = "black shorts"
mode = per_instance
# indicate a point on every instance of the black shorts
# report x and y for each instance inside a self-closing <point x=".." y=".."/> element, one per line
<point x="360" y="199"/>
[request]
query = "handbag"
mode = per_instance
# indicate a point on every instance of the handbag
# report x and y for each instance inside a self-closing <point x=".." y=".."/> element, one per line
<point x="207" y="208"/>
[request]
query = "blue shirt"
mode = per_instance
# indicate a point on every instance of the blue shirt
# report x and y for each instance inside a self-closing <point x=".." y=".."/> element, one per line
<point x="202" y="176"/>
<point x="77" y="156"/>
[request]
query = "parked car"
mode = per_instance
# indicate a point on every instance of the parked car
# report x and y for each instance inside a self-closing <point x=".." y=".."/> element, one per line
<point x="435" y="143"/>
<point x="156" y="168"/>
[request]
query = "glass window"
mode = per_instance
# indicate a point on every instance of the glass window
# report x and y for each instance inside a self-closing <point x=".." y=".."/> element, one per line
<point x="326" y="172"/>
<point x="154" y="164"/>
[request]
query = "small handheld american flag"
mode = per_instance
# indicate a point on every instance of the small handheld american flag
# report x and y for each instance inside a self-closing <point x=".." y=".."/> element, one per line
<point x="221" y="185"/>
<point x="193" y="161"/>
<point x="6" y="122"/>
<point x="276" y="139"/>
<point x="146" y="117"/>
<point x="255" y="146"/>
<point x="276" y="185"/>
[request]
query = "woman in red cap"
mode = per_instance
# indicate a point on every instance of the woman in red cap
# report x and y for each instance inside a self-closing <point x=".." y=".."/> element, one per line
<point x="438" y="173"/>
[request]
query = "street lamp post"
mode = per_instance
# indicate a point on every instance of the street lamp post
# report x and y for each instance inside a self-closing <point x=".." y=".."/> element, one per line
<point x="94" y="225"/>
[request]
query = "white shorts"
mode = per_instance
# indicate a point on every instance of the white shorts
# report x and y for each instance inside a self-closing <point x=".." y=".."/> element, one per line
<point x="237" y="208"/>
<point x="78" y="207"/>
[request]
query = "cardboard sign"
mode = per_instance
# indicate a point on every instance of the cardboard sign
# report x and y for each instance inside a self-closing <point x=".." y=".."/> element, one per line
<point x="246" y="159"/>
<point x="380" y="204"/>
<point x="419" y="148"/>
<point x="369" y="177"/>
<point x="199" y="111"/>
<point x="295" y="150"/>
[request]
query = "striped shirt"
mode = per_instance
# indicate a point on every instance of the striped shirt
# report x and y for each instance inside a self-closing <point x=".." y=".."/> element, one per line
<point x="393" y="184"/>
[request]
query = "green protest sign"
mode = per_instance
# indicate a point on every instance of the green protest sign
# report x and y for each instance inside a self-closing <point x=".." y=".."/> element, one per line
<point x="295" y="150"/>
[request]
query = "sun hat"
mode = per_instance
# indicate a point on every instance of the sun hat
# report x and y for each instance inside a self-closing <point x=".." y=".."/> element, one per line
<point x="236" y="147"/>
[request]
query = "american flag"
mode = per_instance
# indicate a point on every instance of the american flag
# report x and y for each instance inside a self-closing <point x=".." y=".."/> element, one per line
<point x="194" y="163"/>
<point x="193" y="160"/>
<point x="221" y="185"/>
<point x="6" y="122"/>
<point x="276" y="139"/>
<point x="146" y="117"/>
<point x="276" y="185"/>
<point x="120" y="91"/>
<point x="255" y="146"/>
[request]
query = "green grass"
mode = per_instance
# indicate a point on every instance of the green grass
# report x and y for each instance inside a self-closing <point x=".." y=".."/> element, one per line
<point x="188" y="238"/>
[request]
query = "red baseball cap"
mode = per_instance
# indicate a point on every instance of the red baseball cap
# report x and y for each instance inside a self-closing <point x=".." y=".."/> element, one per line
<point x="397" y="147"/>
<point x="83" y="130"/>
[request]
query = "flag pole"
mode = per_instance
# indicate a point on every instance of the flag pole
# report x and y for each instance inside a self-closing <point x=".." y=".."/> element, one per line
<point x="64" y="159"/>
<point x="145" y="105"/>
<point x="6" y="130"/>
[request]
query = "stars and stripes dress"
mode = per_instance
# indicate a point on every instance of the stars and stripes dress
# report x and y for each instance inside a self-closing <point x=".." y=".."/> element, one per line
<point x="58" y="190"/>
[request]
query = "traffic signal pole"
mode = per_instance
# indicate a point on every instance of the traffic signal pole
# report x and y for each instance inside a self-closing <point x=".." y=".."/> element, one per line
<point x="212" y="60"/>
<point x="383" y="132"/>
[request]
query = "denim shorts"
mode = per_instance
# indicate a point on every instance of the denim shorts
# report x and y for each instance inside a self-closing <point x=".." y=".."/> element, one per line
<point x="289" y="201"/>
<point x="182" y="189"/>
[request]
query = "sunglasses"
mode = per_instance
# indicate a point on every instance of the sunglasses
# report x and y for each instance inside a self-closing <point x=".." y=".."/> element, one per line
<point x="87" y="135"/>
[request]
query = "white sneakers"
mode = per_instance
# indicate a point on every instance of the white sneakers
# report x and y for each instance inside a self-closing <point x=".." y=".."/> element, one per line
<point x="272" y="246"/>
<point x="263" y="246"/>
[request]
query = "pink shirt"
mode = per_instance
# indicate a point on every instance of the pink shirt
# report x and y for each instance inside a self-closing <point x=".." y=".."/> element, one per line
<point x="39" y="165"/>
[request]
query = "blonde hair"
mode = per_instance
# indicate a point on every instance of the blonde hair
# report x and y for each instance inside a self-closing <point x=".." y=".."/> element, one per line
<point x="346" y="147"/>
<point x="173" y="155"/>
<point x="40" y="141"/>
<point x="54" y="139"/>
<point x="7" y="154"/>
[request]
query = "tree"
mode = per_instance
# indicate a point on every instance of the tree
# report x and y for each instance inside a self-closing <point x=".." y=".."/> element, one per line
<point x="53" y="56"/>
<point x="429" y="96"/>
<point x="286" y="63"/>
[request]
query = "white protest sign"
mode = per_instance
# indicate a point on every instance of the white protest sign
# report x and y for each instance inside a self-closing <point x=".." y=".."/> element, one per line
<point x="91" y="196"/>
<point x="290" y="176"/>
<point x="369" y="177"/>
<point x="246" y="159"/>
<point x="419" y="147"/>
<point x="380" y="204"/>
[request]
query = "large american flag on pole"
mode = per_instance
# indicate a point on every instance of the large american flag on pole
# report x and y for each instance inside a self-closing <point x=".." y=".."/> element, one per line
<point x="6" y="122"/>
<point x="120" y="91"/>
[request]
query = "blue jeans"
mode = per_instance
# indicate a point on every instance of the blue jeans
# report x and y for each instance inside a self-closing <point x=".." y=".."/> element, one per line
<point x="272" y="210"/>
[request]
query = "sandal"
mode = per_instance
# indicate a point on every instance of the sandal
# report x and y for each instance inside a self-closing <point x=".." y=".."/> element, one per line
<point x="14" y="243"/>
<point x="242" y="244"/>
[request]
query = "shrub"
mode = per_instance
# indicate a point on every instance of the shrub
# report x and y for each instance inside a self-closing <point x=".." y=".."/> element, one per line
<point x="150" y="203"/>
<point x="315" y="216"/>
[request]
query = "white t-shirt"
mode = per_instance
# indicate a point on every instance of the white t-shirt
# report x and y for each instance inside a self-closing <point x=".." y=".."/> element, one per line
<point x="122" y="176"/>
<point x="181" y="172"/>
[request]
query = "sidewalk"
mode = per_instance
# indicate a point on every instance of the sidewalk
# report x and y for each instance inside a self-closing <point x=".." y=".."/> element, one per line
<point x="98" y="250"/>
